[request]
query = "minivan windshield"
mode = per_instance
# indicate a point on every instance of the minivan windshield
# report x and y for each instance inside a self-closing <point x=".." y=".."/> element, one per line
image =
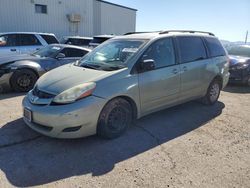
<point x="113" y="55"/>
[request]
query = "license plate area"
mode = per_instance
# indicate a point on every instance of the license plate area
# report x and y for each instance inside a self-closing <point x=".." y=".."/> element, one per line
<point x="27" y="114"/>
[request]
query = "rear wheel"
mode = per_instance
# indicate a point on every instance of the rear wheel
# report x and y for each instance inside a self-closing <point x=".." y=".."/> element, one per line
<point x="213" y="93"/>
<point x="114" y="119"/>
<point x="23" y="80"/>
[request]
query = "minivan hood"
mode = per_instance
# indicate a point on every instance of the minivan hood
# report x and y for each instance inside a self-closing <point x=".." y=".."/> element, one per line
<point x="68" y="76"/>
<point x="13" y="58"/>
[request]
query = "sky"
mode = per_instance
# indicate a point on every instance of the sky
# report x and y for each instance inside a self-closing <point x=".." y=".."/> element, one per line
<point x="227" y="19"/>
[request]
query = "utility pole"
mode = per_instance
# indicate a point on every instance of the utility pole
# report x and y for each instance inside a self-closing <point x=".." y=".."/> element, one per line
<point x="246" y="37"/>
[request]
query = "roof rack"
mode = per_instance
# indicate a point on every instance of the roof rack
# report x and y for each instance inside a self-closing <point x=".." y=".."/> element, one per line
<point x="185" y="31"/>
<point x="140" y="32"/>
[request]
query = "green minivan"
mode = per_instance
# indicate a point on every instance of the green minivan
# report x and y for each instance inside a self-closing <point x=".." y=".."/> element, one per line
<point x="126" y="78"/>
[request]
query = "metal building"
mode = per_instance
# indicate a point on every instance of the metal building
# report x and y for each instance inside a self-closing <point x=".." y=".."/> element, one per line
<point x="66" y="17"/>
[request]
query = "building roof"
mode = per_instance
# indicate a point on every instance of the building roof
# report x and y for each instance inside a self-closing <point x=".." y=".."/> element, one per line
<point x="114" y="4"/>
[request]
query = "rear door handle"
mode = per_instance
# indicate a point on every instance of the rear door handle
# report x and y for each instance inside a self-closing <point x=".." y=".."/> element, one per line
<point x="174" y="71"/>
<point x="13" y="49"/>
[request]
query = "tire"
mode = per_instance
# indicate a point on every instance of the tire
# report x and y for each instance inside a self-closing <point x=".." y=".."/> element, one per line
<point x="114" y="119"/>
<point x="23" y="80"/>
<point x="213" y="93"/>
<point x="248" y="81"/>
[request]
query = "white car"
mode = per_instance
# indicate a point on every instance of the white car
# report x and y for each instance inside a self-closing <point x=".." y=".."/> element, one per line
<point x="24" y="42"/>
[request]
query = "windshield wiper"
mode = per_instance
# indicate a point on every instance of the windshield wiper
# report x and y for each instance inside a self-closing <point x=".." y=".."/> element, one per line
<point x="90" y="66"/>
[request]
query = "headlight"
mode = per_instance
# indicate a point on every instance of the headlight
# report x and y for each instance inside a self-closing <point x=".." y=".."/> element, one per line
<point x="75" y="93"/>
<point x="242" y="66"/>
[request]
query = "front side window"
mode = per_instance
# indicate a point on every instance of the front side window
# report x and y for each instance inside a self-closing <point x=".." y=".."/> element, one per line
<point x="48" y="51"/>
<point x="71" y="52"/>
<point x="191" y="49"/>
<point x="41" y="9"/>
<point x="8" y="40"/>
<point x="162" y="52"/>
<point x="28" y="40"/>
<point x="112" y="55"/>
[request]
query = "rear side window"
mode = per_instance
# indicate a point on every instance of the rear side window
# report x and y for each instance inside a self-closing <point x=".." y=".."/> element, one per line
<point x="50" y="39"/>
<point x="8" y="40"/>
<point x="27" y="40"/>
<point x="71" y="52"/>
<point x="191" y="49"/>
<point x="215" y="48"/>
<point x="162" y="52"/>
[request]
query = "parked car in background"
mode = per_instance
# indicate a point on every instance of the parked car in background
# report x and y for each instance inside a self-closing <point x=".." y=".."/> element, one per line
<point x="76" y="40"/>
<point x="24" y="42"/>
<point x="239" y="64"/>
<point x="20" y="72"/>
<point x="97" y="40"/>
<point x="124" y="79"/>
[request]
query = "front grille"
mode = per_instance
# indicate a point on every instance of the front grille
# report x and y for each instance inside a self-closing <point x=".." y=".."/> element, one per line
<point x="42" y="95"/>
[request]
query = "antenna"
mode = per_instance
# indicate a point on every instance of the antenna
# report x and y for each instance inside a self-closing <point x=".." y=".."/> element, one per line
<point x="246" y="37"/>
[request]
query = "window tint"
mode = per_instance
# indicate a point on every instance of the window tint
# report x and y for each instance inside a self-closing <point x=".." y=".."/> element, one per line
<point x="162" y="52"/>
<point x="78" y="42"/>
<point x="215" y="48"/>
<point x="191" y="49"/>
<point x="70" y="52"/>
<point x="8" y="40"/>
<point x="50" y="39"/>
<point x="42" y="9"/>
<point x="27" y="40"/>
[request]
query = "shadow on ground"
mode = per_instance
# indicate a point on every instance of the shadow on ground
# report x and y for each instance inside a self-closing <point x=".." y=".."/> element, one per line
<point x="10" y="95"/>
<point x="42" y="160"/>
<point x="233" y="88"/>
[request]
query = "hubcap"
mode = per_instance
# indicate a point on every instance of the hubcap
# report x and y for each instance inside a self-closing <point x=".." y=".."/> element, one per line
<point x="117" y="119"/>
<point x="24" y="81"/>
<point x="214" y="92"/>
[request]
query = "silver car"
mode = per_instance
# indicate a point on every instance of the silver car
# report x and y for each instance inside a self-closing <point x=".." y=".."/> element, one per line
<point x="124" y="79"/>
<point x="12" y="43"/>
<point x="20" y="72"/>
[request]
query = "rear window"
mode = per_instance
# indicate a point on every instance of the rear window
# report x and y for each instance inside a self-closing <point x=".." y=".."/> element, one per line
<point x="99" y="40"/>
<point x="78" y="42"/>
<point x="50" y="39"/>
<point x="215" y="48"/>
<point x="191" y="49"/>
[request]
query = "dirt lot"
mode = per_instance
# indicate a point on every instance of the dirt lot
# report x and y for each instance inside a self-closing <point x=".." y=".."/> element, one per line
<point x="190" y="145"/>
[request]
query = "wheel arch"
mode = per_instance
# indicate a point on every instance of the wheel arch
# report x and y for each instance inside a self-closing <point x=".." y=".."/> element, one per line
<point x="219" y="79"/>
<point x="131" y="102"/>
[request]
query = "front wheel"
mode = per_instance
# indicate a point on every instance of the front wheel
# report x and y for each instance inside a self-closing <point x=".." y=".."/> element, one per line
<point x="213" y="93"/>
<point x="23" y="80"/>
<point x="114" y="119"/>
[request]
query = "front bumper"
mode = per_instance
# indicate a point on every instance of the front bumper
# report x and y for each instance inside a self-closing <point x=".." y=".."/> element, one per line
<point x="5" y="81"/>
<point x="74" y="120"/>
<point x="240" y="76"/>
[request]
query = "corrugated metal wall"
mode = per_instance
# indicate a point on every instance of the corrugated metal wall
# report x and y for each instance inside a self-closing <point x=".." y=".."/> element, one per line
<point x="97" y="17"/>
<point x="117" y="20"/>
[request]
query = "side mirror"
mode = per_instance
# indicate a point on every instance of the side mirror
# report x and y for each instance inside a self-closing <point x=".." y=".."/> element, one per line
<point x="60" y="56"/>
<point x="147" y="65"/>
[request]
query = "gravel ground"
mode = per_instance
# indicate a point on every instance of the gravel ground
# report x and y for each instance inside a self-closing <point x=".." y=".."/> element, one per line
<point x="190" y="145"/>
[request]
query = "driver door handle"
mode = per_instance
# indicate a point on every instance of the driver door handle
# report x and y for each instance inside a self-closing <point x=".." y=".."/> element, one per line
<point x="174" y="71"/>
<point x="13" y="50"/>
<point x="184" y="69"/>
